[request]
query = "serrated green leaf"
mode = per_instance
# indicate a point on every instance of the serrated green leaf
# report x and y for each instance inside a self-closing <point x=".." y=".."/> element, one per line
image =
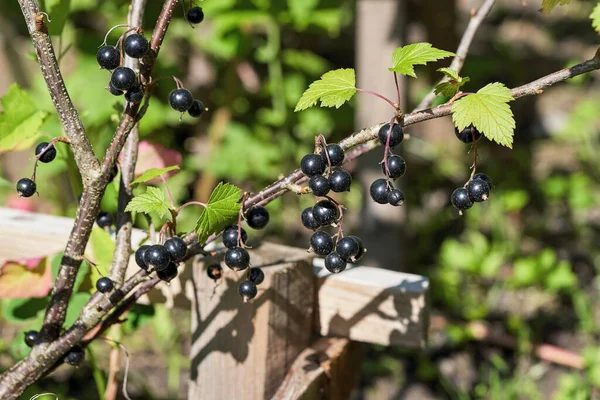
<point x="453" y="85"/>
<point x="221" y="210"/>
<point x="20" y="121"/>
<point x="595" y="17"/>
<point x="445" y="89"/>
<point x="548" y="5"/>
<point x="488" y="111"/>
<point x="333" y="89"/>
<point x="405" y="58"/>
<point x="450" y="73"/>
<point x="153" y="201"/>
<point x="153" y="173"/>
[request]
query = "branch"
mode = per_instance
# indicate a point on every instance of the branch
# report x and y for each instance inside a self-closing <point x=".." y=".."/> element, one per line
<point x="463" y="48"/>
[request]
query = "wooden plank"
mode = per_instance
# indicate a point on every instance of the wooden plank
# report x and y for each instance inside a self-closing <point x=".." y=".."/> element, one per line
<point x="328" y="369"/>
<point x="373" y="305"/>
<point x="243" y="351"/>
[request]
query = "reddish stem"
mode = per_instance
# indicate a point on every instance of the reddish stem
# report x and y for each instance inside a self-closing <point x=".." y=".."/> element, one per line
<point x="382" y="97"/>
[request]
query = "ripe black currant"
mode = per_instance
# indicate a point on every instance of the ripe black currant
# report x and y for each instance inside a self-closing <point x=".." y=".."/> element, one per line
<point x="181" y="100"/>
<point x="312" y="164"/>
<point x="214" y="272"/>
<point x="195" y="15"/>
<point x="230" y="236"/>
<point x="108" y="57"/>
<point x="196" y="109"/>
<point x="26" y="187"/>
<point x="467" y="134"/>
<point x="167" y="274"/>
<point x="257" y="217"/>
<point x="460" y="199"/>
<point x="123" y="78"/>
<point x="484" y="178"/>
<point x="396" y="166"/>
<point x="176" y="248"/>
<point x="157" y="257"/>
<point x="325" y="212"/>
<point x="397" y="135"/>
<point x="478" y="190"/>
<point x="48" y="155"/>
<point x="113" y="90"/>
<point x="336" y="155"/>
<point x="135" y="45"/>
<point x="321" y="243"/>
<point x="379" y="191"/>
<point x="308" y="219"/>
<point x="319" y="185"/>
<point x="347" y="247"/>
<point x="335" y="263"/>
<point x="113" y="173"/>
<point x="104" y="219"/>
<point x="248" y="290"/>
<point x="104" y="285"/>
<point x="340" y="180"/>
<point x="361" y="247"/>
<point x="30" y="337"/>
<point x="257" y="275"/>
<point x="396" y="197"/>
<point x="140" y="257"/>
<point x="75" y="356"/>
<point x="135" y="94"/>
<point x="237" y="258"/>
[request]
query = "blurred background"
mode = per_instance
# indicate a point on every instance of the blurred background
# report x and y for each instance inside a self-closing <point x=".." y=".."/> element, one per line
<point x="515" y="272"/>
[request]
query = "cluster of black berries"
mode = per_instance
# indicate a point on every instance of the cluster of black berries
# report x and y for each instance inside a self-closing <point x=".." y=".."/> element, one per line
<point x="73" y="357"/>
<point x="326" y="212"/>
<point x="237" y="257"/>
<point x="45" y="152"/>
<point x="393" y="167"/>
<point x="162" y="258"/>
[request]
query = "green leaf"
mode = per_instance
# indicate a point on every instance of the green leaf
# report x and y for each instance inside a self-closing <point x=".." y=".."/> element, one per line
<point x="450" y="74"/>
<point x="595" y="17"/>
<point x="21" y="120"/>
<point x="301" y="11"/>
<point x="103" y="247"/>
<point x="561" y="277"/>
<point x="153" y="201"/>
<point x="333" y="89"/>
<point x="58" y="11"/>
<point x="153" y="173"/>
<point x="405" y="58"/>
<point x="488" y="111"/>
<point x="548" y="5"/>
<point x="221" y="210"/>
<point x="453" y="85"/>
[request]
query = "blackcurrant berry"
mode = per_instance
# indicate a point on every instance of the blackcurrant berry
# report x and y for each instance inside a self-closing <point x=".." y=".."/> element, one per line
<point x="257" y="275"/>
<point x="347" y="247"/>
<point x="176" y="248"/>
<point x="396" y="166"/>
<point x="214" y="271"/>
<point x="325" y="212"/>
<point x="196" y="109"/>
<point x="319" y="185"/>
<point x="135" y="94"/>
<point x="75" y="356"/>
<point x="30" y="337"/>
<point x="123" y="78"/>
<point x="135" y="45"/>
<point x="140" y="257"/>
<point x="48" y="155"/>
<point x="237" y="258"/>
<point x="257" y="217"/>
<point x="104" y="285"/>
<point x="340" y="180"/>
<point x="460" y="199"/>
<point x="113" y="173"/>
<point x="397" y="135"/>
<point x="396" y="197"/>
<point x="113" y="90"/>
<point x="312" y="164"/>
<point x="230" y="236"/>
<point x="308" y="219"/>
<point x="26" y="187"/>
<point x="321" y="243"/>
<point x="379" y="191"/>
<point x="467" y="134"/>
<point x="335" y="263"/>
<point x="104" y="219"/>
<point x="336" y="155"/>
<point x="484" y="178"/>
<point x="157" y="257"/>
<point x="361" y="248"/>
<point x="167" y="274"/>
<point x="478" y="190"/>
<point x="181" y="100"/>
<point x="248" y="290"/>
<point x="195" y="15"/>
<point x="108" y="57"/>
